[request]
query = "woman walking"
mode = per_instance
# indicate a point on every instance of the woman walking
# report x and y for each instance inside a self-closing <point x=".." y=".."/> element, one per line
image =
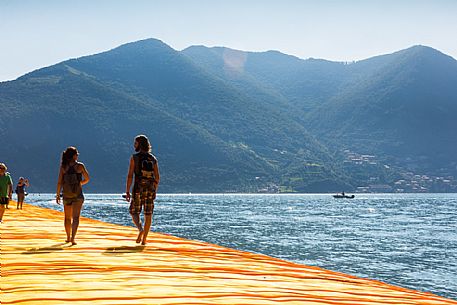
<point x="70" y="182"/>
<point x="20" y="191"/>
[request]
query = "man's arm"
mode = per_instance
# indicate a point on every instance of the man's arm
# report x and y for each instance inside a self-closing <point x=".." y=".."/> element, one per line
<point x="10" y="189"/>
<point x="129" y="179"/>
<point x="156" y="176"/>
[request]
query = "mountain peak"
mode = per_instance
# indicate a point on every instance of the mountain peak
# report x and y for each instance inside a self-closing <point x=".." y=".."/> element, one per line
<point x="145" y="44"/>
<point x="421" y="50"/>
<point x="142" y="42"/>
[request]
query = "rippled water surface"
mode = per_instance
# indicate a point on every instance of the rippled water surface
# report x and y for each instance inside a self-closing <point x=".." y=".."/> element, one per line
<point x="408" y="240"/>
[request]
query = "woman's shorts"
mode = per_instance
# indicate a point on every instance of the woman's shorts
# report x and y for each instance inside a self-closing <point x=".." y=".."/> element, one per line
<point x="143" y="198"/>
<point x="70" y="201"/>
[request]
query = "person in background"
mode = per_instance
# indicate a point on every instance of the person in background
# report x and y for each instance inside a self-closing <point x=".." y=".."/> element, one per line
<point x="6" y="189"/>
<point x="20" y="191"/>
<point x="70" y="181"/>
<point x="144" y="170"/>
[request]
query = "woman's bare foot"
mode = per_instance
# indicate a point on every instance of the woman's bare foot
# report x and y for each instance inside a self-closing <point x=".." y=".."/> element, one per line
<point x="139" y="237"/>
<point x="67" y="240"/>
<point x="73" y="243"/>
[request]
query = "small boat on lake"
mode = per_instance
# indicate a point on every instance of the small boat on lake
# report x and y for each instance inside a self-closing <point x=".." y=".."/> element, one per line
<point x="343" y="195"/>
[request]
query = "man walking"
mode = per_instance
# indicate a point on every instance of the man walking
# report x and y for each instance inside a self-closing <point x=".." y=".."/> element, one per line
<point x="6" y="189"/>
<point x="144" y="172"/>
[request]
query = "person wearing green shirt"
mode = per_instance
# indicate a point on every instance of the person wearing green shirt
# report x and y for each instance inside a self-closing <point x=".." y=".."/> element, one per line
<point x="6" y="189"/>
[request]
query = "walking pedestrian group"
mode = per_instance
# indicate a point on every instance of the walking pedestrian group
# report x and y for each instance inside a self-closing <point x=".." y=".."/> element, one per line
<point x="143" y="173"/>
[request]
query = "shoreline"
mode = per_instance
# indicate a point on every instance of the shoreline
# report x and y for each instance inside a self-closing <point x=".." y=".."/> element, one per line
<point x="258" y="194"/>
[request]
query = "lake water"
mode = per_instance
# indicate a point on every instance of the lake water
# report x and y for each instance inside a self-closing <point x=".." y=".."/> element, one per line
<point x="408" y="240"/>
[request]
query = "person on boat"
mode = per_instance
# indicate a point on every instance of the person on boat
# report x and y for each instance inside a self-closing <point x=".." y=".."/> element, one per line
<point x="20" y="191"/>
<point x="70" y="182"/>
<point x="6" y="189"/>
<point x="144" y="172"/>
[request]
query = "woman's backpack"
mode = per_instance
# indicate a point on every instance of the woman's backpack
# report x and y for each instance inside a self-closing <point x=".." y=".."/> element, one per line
<point x="72" y="183"/>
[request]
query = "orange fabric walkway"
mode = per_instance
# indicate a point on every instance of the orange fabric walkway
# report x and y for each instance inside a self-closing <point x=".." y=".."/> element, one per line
<point x="107" y="267"/>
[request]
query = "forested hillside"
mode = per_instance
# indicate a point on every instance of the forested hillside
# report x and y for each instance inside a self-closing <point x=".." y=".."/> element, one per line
<point x="222" y="120"/>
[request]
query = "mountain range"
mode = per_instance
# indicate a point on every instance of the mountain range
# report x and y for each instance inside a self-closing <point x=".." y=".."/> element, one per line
<point x="224" y="120"/>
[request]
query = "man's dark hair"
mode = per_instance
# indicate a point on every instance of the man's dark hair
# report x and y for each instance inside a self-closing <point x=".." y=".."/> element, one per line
<point x="143" y="143"/>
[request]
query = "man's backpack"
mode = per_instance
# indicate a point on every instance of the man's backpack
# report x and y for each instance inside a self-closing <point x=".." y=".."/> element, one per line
<point x="72" y="183"/>
<point x="144" y="171"/>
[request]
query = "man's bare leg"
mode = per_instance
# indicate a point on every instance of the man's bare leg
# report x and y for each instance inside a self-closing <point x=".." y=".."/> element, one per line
<point x="147" y="227"/>
<point x="2" y="211"/>
<point x="137" y="221"/>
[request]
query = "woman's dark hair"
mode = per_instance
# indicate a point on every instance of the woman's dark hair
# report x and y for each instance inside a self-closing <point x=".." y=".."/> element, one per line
<point x="143" y="143"/>
<point x="68" y="155"/>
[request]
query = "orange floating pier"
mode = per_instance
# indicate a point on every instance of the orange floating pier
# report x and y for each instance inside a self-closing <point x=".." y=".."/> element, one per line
<point x="107" y="267"/>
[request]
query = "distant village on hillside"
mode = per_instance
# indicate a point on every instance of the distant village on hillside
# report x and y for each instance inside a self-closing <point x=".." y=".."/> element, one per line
<point x="409" y="181"/>
<point x="405" y="181"/>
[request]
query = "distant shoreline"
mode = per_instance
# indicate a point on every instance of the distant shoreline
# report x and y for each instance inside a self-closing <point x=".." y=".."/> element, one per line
<point x="250" y="194"/>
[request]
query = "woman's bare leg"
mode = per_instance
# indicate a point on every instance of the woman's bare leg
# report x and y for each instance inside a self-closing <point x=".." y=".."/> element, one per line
<point x="68" y="210"/>
<point x="20" y="200"/>
<point x="77" y="206"/>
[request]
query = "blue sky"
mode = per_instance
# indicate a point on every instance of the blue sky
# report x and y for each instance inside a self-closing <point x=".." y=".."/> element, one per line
<point x="35" y="34"/>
